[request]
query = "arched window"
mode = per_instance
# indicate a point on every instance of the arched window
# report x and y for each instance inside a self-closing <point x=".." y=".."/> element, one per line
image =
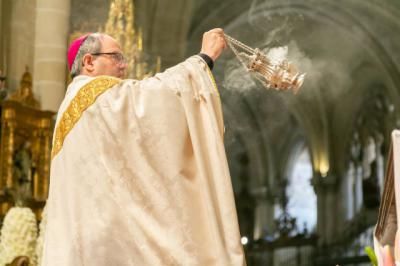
<point x="302" y="201"/>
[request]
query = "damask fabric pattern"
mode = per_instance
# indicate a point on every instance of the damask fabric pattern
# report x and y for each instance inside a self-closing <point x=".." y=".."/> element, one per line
<point x="142" y="177"/>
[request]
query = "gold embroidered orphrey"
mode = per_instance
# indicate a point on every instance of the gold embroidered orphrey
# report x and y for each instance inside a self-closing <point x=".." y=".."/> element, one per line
<point x="86" y="96"/>
<point x="210" y="75"/>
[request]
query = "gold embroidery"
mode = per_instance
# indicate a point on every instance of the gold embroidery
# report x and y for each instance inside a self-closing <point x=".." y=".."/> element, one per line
<point x="211" y="76"/>
<point x="86" y="96"/>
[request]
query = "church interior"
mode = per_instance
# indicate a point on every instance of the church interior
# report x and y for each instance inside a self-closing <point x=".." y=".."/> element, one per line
<point x="308" y="168"/>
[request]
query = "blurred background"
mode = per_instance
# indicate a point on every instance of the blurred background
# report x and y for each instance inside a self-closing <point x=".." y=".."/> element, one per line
<point x="307" y="169"/>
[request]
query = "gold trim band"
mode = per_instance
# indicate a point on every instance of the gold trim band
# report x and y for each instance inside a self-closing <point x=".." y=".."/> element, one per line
<point x="86" y="96"/>
<point x="211" y="76"/>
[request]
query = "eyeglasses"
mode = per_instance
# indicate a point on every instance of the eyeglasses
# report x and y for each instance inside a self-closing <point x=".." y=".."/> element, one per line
<point x="118" y="57"/>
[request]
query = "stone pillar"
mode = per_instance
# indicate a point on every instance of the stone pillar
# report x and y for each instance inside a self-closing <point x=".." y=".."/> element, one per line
<point x="326" y="189"/>
<point x="331" y="208"/>
<point x="51" y="39"/>
<point x="18" y="45"/>
<point x="5" y="37"/>
<point x="263" y="213"/>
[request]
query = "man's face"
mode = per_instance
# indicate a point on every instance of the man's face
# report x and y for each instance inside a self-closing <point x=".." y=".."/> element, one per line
<point x="109" y="61"/>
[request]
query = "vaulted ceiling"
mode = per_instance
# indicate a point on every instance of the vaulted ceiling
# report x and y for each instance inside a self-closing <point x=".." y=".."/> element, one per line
<point x="348" y="48"/>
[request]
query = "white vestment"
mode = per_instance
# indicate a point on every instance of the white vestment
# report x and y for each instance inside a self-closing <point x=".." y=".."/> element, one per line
<point x="139" y="174"/>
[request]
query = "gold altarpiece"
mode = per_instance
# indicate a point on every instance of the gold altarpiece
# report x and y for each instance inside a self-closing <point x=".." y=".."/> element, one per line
<point x="26" y="135"/>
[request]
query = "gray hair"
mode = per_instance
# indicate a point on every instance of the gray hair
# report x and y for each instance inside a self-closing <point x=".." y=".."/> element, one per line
<point x="91" y="45"/>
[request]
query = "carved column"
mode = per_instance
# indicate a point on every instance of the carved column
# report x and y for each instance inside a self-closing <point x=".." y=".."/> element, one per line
<point x="326" y="189"/>
<point x="50" y="67"/>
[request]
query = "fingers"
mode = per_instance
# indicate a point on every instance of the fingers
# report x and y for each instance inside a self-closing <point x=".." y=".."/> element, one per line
<point x="217" y="30"/>
<point x="219" y="34"/>
<point x="213" y="43"/>
<point x="222" y="40"/>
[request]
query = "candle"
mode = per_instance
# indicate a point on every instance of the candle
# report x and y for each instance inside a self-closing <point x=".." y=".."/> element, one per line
<point x="5" y="57"/>
<point x="140" y="40"/>
<point x="3" y="65"/>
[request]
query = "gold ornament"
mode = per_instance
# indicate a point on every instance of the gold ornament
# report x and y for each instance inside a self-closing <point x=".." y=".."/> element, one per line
<point x="121" y="26"/>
